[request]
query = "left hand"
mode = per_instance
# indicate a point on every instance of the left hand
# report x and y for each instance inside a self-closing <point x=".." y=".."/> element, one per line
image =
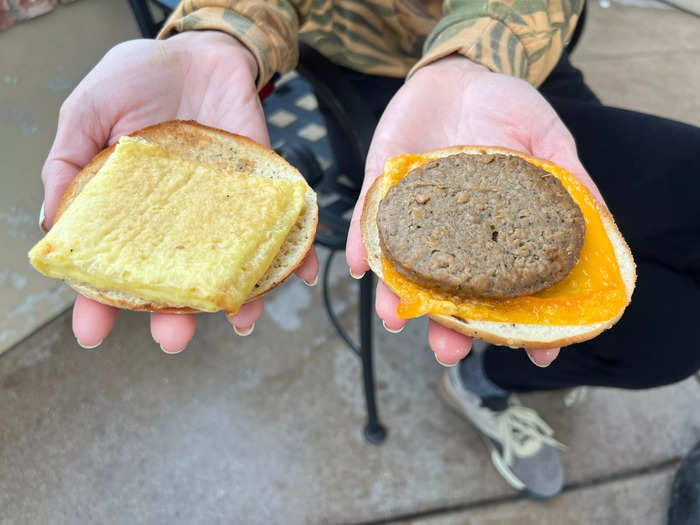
<point x="453" y="102"/>
<point x="204" y="75"/>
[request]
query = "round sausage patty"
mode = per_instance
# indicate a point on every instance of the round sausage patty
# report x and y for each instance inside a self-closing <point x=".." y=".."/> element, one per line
<point x="481" y="226"/>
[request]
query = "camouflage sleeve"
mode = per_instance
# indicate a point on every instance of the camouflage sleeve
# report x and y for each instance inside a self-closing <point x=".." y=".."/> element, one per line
<point x="522" y="38"/>
<point x="269" y="28"/>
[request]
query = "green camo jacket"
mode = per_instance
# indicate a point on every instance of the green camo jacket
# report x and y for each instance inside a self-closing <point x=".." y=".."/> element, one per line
<point x="523" y="38"/>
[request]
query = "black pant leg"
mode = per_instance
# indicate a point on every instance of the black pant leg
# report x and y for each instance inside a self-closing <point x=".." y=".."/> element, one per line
<point x="644" y="167"/>
<point x="655" y="343"/>
<point x="566" y="82"/>
<point x="654" y="197"/>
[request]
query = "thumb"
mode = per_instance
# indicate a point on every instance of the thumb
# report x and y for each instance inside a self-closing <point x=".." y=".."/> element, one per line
<point x="79" y="137"/>
<point x="355" y="252"/>
<point x="543" y="358"/>
<point x="381" y="149"/>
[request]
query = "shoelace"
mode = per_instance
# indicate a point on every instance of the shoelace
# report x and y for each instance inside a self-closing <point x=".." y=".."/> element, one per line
<point x="576" y="396"/>
<point x="517" y="425"/>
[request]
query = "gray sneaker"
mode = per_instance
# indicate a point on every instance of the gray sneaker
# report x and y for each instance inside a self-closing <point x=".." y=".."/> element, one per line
<point x="522" y="447"/>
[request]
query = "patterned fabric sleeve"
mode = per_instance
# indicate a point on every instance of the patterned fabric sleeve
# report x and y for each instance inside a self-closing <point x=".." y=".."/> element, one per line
<point x="272" y="38"/>
<point x="522" y="38"/>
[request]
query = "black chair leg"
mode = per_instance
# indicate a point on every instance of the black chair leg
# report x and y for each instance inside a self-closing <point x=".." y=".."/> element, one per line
<point x="375" y="432"/>
<point x="315" y="69"/>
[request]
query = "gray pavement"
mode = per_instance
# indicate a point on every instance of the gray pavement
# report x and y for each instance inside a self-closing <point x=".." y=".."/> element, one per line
<point x="267" y="429"/>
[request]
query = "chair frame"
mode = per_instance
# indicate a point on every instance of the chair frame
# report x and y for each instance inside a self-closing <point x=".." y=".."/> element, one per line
<point x="343" y="102"/>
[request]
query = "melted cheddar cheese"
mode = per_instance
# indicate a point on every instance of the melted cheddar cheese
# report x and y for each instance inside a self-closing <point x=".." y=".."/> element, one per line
<point x="592" y="292"/>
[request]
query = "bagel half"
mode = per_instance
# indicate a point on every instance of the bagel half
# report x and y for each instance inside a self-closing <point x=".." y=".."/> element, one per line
<point x="514" y="335"/>
<point x="224" y="151"/>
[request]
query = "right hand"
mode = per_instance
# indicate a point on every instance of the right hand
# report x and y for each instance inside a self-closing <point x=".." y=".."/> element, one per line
<point x="206" y="76"/>
<point x="450" y="102"/>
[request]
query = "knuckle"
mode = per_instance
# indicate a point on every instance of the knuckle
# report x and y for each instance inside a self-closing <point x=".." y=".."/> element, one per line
<point x="45" y="173"/>
<point x="66" y="107"/>
<point x="125" y="47"/>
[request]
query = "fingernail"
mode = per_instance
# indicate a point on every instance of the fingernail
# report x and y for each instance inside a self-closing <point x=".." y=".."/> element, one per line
<point x="312" y="283"/>
<point x="390" y="330"/>
<point x="243" y="332"/>
<point x="357" y="276"/>
<point x="171" y="352"/>
<point x="88" y="347"/>
<point x="443" y="364"/>
<point x="535" y="362"/>
<point x="41" y="222"/>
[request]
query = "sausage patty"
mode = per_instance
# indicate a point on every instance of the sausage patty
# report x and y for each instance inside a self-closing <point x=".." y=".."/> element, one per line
<point x="481" y="226"/>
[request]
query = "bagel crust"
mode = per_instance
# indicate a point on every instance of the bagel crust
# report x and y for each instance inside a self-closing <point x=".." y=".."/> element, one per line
<point x="514" y="335"/>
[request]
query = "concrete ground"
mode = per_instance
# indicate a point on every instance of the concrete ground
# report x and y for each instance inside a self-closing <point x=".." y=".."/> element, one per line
<point x="266" y="429"/>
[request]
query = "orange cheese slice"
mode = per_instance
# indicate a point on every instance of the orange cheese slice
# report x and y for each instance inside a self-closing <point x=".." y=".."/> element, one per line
<point x="592" y="292"/>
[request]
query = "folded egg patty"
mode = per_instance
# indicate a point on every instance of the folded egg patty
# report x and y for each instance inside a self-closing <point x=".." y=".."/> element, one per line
<point x="170" y="231"/>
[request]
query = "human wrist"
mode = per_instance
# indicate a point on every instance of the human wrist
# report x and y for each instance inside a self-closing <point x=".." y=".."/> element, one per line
<point x="453" y="64"/>
<point x="219" y="42"/>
